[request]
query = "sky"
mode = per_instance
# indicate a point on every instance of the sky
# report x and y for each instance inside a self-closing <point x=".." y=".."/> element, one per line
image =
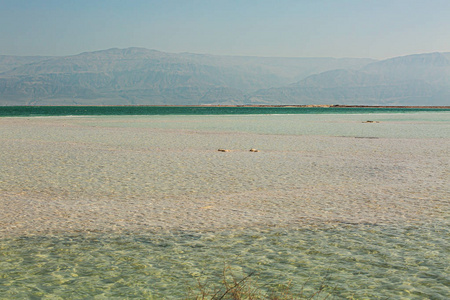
<point x="283" y="28"/>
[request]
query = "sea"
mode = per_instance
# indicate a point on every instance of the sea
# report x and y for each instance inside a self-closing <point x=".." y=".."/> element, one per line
<point x="138" y="202"/>
<point x="12" y="111"/>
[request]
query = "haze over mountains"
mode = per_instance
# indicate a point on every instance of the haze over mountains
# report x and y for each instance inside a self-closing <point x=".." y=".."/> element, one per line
<point x="137" y="76"/>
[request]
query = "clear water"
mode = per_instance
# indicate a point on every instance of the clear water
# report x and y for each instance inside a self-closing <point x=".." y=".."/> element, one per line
<point x="146" y="207"/>
<point x="355" y="261"/>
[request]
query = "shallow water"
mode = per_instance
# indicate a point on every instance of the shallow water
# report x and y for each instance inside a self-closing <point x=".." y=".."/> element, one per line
<point x="145" y="206"/>
<point x="354" y="261"/>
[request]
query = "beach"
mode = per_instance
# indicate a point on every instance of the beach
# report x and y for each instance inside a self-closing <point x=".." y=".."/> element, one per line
<point x="148" y="175"/>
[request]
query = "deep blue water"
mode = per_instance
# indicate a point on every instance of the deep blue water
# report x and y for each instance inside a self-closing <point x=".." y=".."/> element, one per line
<point x="26" y="111"/>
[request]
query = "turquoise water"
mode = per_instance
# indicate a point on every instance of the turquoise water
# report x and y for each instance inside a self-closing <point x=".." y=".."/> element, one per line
<point x="145" y="207"/>
<point x="189" y="110"/>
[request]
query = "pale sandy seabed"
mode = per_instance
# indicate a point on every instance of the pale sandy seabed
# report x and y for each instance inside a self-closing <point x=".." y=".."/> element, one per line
<point x="144" y="173"/>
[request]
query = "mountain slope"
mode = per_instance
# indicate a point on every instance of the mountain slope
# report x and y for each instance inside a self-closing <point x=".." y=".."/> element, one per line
<point x="422" y="79"/>
<point x="8" y="62"/>
<point x="142" y="76"/>
<point x="137" y="76"/>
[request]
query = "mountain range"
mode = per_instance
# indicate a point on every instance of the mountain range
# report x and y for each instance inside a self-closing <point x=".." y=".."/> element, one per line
<point x="138" y="76"/>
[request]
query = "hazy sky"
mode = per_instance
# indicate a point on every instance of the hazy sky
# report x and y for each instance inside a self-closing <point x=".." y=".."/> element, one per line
<point x="302" y="28"/>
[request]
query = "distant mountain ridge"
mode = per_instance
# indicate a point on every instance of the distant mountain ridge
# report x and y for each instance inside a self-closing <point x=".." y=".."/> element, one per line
<point x="8" y="62"/>
<point x="138" y="76"/>
<point x="422" y="79"/>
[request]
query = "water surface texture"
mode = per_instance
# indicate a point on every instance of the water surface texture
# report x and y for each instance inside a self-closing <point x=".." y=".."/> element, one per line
<point x="146" y="207"/>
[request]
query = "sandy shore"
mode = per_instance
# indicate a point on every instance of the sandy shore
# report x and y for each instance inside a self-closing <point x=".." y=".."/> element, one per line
<point x="62" y="175"/>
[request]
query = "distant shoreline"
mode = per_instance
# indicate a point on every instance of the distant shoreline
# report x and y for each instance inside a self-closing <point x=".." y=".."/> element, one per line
<point x="251" y="105"/>
<point x="305" y="105"/>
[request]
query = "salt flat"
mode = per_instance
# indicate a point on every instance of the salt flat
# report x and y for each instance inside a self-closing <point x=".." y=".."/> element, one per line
<point x="145" y="173"/>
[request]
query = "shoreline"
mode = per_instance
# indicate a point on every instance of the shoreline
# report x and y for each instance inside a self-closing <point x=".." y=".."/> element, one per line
<point x="255" y="106"/>
<point x="315" y="105"/>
